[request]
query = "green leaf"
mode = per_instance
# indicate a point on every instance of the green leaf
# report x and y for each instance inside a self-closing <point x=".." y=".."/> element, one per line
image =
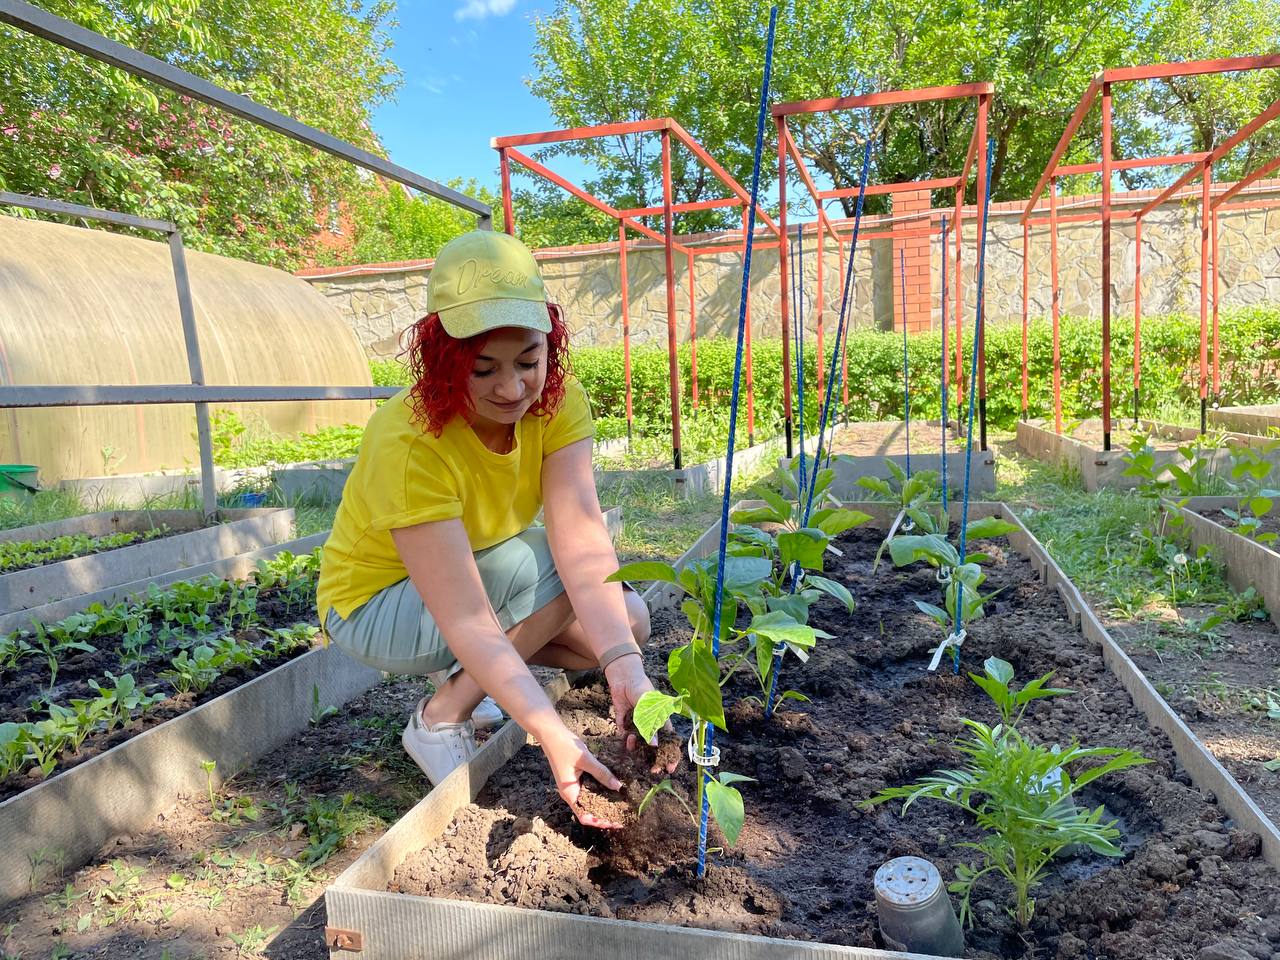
<point x="795" y="695"/>
<point x="756" y="515"/>
<point x="936" y="613"/>
<point x="988" y="527"/>
<point x="835" y="521"/>
<point x="793" y="605"/>
<point x="1260" y="506"/>
<point x="831" y="588"/>
<point x="999" y="670"/>
<point x="652" y="711"/>
<point x="877" y="486"/>
<point x="933" y="547"/>
<point x="694" y="672"/>
<point x="727" y="807"/>
<point x="644" y="570"/>
<point x="782" y="507"/>
<point x="806" y="547"/>
<point x="780" y="628"/>
<point x="753" y="535"/>
<point x="741" y="572"/>
<point x="764" y="658"/>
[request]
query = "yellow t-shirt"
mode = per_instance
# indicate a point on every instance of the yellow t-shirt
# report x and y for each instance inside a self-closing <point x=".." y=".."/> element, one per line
<point x="404" y="475"/>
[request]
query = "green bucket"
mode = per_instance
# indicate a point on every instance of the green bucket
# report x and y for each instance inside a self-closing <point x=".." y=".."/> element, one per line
<point x="19" y="480"/>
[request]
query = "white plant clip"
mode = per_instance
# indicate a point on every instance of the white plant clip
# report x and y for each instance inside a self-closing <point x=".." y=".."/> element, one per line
<point x="711" y="759"/>
<point x="953" y="640"/>
<point x="942" y="575"/>
<point x="908" y="525"/>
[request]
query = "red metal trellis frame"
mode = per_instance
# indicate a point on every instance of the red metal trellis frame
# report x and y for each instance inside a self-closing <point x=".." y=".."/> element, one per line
<point x="789" y="151"/>
<point x="1200" y="166"/>
<point x="666" y="128"/>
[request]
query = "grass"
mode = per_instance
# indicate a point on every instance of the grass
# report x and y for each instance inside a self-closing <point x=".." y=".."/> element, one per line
<point x="658" y="525"/>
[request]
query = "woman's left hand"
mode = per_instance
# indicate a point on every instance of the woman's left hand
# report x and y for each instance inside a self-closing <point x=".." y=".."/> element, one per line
<point x="627" y="684"/>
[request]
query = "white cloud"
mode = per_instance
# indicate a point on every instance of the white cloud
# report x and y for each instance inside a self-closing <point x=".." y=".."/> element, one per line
<point x="479" y="9"/>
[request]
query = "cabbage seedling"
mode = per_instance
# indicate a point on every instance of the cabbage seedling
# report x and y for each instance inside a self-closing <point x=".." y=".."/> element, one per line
<point x="1019" y="792"/>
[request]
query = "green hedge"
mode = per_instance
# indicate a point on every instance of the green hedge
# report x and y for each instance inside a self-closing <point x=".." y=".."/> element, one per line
<point x="1250" y="369"/>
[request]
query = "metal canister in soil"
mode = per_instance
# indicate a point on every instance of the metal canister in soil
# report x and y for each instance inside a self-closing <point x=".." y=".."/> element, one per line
<point x="915" y="912"/>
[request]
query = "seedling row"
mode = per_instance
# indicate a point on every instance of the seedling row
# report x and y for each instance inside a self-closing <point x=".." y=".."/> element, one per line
<point x="88" y="682"/>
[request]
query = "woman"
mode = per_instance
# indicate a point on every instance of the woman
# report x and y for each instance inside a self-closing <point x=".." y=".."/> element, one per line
<point x="434" y="567"/>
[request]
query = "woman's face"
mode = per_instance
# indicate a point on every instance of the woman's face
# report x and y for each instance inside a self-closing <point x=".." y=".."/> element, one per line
<point x="508" y="376"/>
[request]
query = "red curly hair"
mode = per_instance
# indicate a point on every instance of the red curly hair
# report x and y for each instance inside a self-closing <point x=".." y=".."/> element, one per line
<point x="441" y="364"/>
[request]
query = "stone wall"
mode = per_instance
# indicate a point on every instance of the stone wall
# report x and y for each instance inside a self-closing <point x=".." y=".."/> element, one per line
<point x="380" y="300"/>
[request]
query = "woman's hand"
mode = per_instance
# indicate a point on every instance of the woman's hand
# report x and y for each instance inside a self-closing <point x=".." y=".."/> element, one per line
<point x="627" y="684"/>
<point x="569" y="759"/>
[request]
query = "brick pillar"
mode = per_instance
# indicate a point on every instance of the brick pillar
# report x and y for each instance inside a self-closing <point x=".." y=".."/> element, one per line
<point x="915" y="253"/>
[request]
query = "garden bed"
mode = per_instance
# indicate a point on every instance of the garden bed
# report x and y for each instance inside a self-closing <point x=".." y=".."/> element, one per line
<point x="1219" y="672"/>
<point x="448" y="877"/>
<point x="1261" y="419"/>
<point x="233" y="665"/>
<point x="1080" y="448"/>
<point x="167" y="540"/>
<point x="186" y="885"/>
<point x="864" y="448"/>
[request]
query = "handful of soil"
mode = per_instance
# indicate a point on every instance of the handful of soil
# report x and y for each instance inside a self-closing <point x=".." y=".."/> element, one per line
<point x="639" y="770"/>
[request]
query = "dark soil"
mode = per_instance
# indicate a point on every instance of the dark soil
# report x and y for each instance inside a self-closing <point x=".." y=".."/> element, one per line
<point x="29" y="682"/>
<point x="802" y="869"/>
<point x="1270" y="522"/>
<point x="201" y="882"/>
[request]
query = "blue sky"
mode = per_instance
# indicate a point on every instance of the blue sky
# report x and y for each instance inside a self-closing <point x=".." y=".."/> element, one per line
<point x="465" y="64"/>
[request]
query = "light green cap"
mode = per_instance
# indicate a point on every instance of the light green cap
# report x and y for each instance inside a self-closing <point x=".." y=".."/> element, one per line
<point x="484" y="280"/>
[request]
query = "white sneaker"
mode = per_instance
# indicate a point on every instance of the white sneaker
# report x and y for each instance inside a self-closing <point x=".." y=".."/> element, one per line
<point x="438" y="749"/>
<point x="486" y="715"/>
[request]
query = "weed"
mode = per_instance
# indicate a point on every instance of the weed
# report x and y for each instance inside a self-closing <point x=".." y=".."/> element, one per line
<point x="320" y="714"/>
<point x="252" y="940"/>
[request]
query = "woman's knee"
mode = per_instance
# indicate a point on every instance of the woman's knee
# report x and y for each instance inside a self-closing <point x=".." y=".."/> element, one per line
<point x="638" y="614"/>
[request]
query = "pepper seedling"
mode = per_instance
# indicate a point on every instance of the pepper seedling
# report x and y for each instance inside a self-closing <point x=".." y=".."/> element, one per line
<point x="693" y="670"/>
<point x="959" y="576"/>
<point x="796" y="557"/>
<point x="1019" y="792"/>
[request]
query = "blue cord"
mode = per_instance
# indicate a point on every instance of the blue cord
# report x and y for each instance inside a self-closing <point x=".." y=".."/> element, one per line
<point x="797" y="288"/>
<point x="944" y="367"/>
<point x="771" y="700"/>
<point x="844" y="309"/>
<point x="973" y="381"/>
<point x="906" y="373"/>
<point x="733" y="416"/>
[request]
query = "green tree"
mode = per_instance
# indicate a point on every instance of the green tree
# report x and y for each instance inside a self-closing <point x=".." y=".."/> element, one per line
<point x="1191" y="114"/>
<point x="603" y="61"/>
<point x="75" y="129"/>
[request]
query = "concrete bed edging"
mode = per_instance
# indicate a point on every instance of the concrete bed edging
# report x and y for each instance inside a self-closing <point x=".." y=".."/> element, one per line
<point x="1256" y="419"/>
<point x="191" y="544"/>
<point x="237" y="565"/>
<point x="367" y="922"/>
<point x="1100" y="468"/>
<point x="691" y="482"/>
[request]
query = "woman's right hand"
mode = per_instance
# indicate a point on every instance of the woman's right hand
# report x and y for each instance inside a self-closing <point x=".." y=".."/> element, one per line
<point x="569" y="759"/>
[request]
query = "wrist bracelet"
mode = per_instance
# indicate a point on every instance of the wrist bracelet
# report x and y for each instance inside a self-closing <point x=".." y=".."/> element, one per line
<point x="618" y="652"/>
